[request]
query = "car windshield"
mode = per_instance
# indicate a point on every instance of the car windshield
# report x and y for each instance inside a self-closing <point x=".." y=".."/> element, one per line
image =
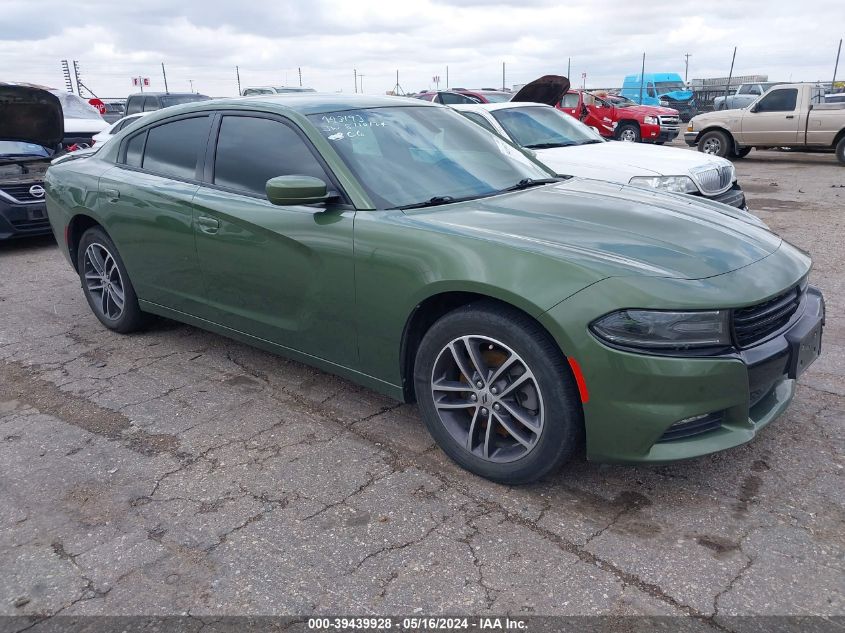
<point x="620" y="101"/>
<point x="172" y="100"/>
<point x="9" y="149"/>
<point x="419" y="155"/>
<point x="539" y="127"/>
<point x="669" y="86"/>
<point x="497" y="97"/>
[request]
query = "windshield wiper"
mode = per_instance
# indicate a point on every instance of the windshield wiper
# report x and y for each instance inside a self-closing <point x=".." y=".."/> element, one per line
<point x="590" y="142"/>
<point x="547" y="145"/>
<point x="431" y="202"/>
<point x="525" y="183"/>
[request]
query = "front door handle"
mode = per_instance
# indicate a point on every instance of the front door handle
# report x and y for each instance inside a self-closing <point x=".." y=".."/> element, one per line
<point x="790" y="116"/>
<point x="208" y="225"/>
<point x="112" y="195"/>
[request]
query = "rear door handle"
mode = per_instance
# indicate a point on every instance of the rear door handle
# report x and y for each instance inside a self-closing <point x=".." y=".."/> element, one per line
<point x="112" y="195"/>
<point x="208" y="225"/>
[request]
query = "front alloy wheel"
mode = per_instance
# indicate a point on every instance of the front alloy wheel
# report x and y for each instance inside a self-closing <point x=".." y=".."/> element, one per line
<point x="496" y="393"/>
<point x="487" y="398"/>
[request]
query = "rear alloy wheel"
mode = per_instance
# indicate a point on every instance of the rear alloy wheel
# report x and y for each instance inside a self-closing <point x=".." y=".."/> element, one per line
<point x="629" y="132"/>
<point x="715" y="143"/>
<point x="840" y="150"/>
<point x="496" y="394"/>
<point x="106" y="284"/>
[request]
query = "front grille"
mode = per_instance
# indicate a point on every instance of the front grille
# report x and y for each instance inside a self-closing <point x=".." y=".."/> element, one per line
<point x="690" y="428"/>
<point x="21" y="192"/>
<point x="31" y="225"/>
<point x="669" y="120"/>
<point x="754" y="323"/>
<point x="715" y="179"/>
<point x="733" y="197"/>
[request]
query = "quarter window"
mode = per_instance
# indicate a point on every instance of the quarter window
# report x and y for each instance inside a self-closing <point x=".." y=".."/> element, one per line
<point x="783" y="100"/>
<point x="135" y="149"/>
<point x="252" y="150"/>
<point x="150" y="104"/>
<point x="173" y="148"/>
<point x="134" y="105"/>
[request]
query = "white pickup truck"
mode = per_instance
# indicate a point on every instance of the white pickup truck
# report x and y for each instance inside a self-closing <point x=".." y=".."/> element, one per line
<point x="789" y="115"/>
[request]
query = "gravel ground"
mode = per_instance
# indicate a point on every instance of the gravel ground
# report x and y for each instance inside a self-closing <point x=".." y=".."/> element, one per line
<point x="175" y="472"/>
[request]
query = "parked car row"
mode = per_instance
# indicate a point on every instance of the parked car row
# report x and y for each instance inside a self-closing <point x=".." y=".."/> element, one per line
<point x="397" y="243"/>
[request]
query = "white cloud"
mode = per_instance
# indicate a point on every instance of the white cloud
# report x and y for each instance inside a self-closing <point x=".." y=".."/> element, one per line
<point x="204" y="41"/>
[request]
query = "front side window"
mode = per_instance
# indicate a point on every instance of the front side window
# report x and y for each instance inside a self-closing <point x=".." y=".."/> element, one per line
<point x="480" y="120"/>
<point x="782" y="100"/>
<point x="412" y="155"/>
<point x="252" y="150"/>
<point x="541" y="128"/>
<point x="173" y="149"/>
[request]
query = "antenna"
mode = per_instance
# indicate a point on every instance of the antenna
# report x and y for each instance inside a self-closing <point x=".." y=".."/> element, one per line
<point x="79" y="85"/>
<point x="66" y="73"/>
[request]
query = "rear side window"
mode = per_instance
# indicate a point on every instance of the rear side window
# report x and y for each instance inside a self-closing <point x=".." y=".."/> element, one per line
<point x="782" y="100"/>
<point x="172" y="149"/>
<point x="134" y="105"/>
<point x="150" y="104"/>
<point x="252" y="150"/>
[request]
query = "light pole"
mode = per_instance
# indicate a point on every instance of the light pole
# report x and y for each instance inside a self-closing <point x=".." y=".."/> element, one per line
<point x="686" y="67"/>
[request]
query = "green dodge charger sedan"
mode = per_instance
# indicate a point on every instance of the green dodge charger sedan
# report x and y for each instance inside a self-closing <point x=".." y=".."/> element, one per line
<point x="405" y="248"/>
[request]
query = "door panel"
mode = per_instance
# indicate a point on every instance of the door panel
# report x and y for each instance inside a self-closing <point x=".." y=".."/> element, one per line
<point x="283" y="274"/>
<point x="150" y="219"/>
<point x="776" y="121"/>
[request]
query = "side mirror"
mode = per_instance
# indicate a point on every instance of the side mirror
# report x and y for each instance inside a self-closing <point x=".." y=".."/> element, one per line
<point x="290" y="190"/>
<point x="753" y="108"/>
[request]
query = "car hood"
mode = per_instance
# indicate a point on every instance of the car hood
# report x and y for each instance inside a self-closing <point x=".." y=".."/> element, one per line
<point x="677" y="95"/>
<point x="646" y="110"/>
<point x="614" y="230"/>
<point x="548" y="89"/>
<point x="31" y="115"/>
<point x="619" y="162"/>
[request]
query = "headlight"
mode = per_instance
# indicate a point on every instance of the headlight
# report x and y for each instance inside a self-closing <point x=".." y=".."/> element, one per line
<point x="651" y="329"/>
<point x="664" y="103"/>
<point x="651" y="120"/>
<point x="676" y="184"/>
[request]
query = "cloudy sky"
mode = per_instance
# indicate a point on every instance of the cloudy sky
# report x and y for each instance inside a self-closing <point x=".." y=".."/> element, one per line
<point x="203" y="40"/>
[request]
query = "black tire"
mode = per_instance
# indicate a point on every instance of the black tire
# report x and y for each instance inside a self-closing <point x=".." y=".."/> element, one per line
<point x="105" y="306"/>
<point x="716" y="143"/>
<point x="552" y="387"/>
<point x="629" y="132"/>
<point x="740" y="152"/>
<point x="840" y="150"/>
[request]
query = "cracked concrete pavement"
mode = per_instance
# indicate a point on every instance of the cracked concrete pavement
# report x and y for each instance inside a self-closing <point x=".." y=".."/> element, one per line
<point x="178" y="472"/>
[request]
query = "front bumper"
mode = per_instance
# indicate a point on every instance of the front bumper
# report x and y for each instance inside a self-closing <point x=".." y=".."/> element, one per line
<point x="691" y="138"/>
<point x="23" y="219"/>
<point x="734" y="197"/>
<point x="668" y="134"/>
<point x="634" y="399"/>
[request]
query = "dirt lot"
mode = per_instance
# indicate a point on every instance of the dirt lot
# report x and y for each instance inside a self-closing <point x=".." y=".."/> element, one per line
<point x="176" y="471"/>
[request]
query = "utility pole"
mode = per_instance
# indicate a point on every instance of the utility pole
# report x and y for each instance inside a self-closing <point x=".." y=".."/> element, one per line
<point x="642" y="80"/>
<point x="76" y="75"/>
<point x="686" y="67"/>
<point x="836" y="65"/>
<point x="447" y="77"/>
<point x="503" y="77"/>
<point x="568" y="67"/>
<point x="192" y="84"/>
<point x="300" y="76"/>
<point x="355" y="72"/>
<point x="164" y="76"/>
<point x="361" y="77"/>
<point x="238" y="76"/>
<point x="730" y="75"/>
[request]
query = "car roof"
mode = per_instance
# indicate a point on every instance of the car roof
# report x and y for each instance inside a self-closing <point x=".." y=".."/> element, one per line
<point x="304" y="103"/>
